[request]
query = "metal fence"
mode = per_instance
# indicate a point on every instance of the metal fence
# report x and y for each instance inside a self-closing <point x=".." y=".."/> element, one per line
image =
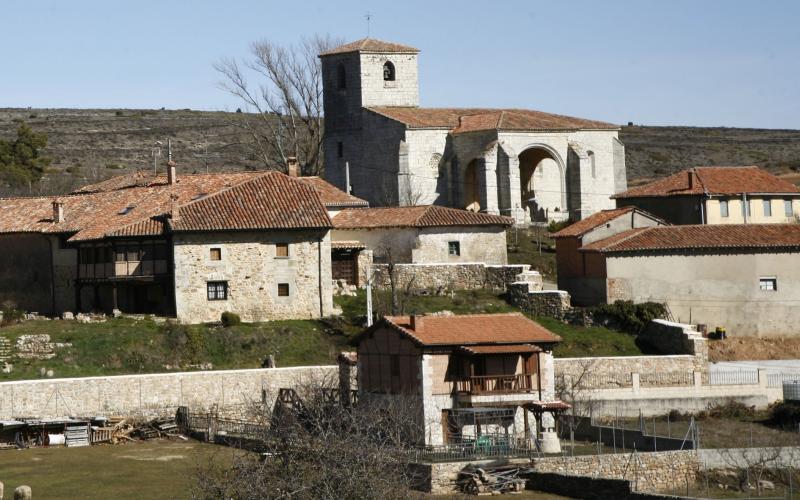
<point x="777" y="379"/>
<point x="512" y="448"/>
<point x="733" y="377"/>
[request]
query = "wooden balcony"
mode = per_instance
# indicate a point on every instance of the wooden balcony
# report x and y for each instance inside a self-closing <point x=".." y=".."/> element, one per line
<point x="498" y="384"/>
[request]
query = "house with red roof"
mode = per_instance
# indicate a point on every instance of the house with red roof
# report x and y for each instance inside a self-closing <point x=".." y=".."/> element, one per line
<point x="482" y="378"/>
<point x="743" y="277"/>
<point x="381" y="145"/>
<point x="717" y="195"/>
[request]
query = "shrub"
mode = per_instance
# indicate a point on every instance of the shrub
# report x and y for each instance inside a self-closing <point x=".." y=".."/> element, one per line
<point x="785" y="415"/>
<point x="119" y="113"/>
<point x="731" y="409"/>
<point x="12" y="315"/>
<point x="627" y="316"/>
<point x="230" y="319"/>
<point x="555" y="227"/>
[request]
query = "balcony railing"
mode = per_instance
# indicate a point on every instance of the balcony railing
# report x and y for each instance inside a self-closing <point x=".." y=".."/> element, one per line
<point x="497" y="384"/>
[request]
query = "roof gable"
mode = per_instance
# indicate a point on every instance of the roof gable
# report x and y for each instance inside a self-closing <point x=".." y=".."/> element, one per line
<point x="371" y="45"/>
<point x="713" y="181"/>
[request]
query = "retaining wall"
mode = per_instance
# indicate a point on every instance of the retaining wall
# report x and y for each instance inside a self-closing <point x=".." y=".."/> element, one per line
<point x="593" y="488"/>
<point x="456" y="276"/>
<point x="152" y="394"/>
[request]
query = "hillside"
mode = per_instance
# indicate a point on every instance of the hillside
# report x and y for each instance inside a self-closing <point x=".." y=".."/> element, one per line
<point x="92" y="144"/>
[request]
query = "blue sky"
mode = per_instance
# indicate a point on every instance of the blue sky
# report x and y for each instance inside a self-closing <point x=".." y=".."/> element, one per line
<point x="679" y="62"/>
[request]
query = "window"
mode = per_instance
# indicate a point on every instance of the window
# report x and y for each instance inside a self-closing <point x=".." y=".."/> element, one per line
<point x="591" y="163"/>
<point x="768" y="284"/>
<point x="215" y="254"/>
<point x="283" y="289"/>
<point x="723" y="208"/>
<point x="454" y="248"/>
<point x="341" y="77"/>
<point x="787" y="208"/>
<point x="388" y="72"/>
<point x="767" y="208"/>
<point x="282" y="250"/>
<point x="217" y="290"/>
<point x="340" y="149"/>
<point x="132" y="253"/>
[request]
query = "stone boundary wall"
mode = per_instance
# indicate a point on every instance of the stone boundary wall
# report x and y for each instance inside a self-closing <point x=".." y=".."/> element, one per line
<point x="592" y="488"/>
<point x="668" y="337"/>
<point x="153" y="394"/>
<point x="553" y="303"/>
<point x="653" y="472"/>
<point x="457" y="276"/>
<point x="439" y="478"/>
<point x="618" y="371"/>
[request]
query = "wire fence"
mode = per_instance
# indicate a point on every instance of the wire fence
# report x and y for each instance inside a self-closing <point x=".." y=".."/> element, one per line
<point x="733" y="377"/>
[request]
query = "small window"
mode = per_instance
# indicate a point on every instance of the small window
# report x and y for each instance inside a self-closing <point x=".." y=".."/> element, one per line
<point x="723" y="208"/>
<point x="388" y="72"/>
<point x="767" y="208"/>
<point x="454" y="248"/>
<point x="217" y="290"/>
<point x="768" y="284"/>
<point x="283" y="289"/>
<point x="282" y="250"/>
<point x="341" y="77"/>
<point x="215" y="254"/>
<point x="592" y="164"/>
<point x="787" y="208"/>
<point x="133" y="253"/>
<point x="340" y="149"/>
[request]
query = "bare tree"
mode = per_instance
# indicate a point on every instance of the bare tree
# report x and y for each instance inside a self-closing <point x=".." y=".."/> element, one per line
<point x="574" y="388"/>
<point x="284" y="111"/>
<point x="317" y="448"/>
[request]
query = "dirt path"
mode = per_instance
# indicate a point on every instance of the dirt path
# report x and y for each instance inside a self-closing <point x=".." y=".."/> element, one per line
<point x="751" y="348"/>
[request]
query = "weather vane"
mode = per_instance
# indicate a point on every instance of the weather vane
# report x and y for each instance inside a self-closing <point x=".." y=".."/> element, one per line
<point x="368" y="18"/>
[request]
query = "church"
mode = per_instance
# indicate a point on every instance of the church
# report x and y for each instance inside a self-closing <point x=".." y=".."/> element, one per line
<point x="529" y="165"/>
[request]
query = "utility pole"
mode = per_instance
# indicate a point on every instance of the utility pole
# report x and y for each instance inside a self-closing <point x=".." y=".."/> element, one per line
<point x="169" y="150"/>
<point x="156" y="153"/>
<point x="369" y="296"/>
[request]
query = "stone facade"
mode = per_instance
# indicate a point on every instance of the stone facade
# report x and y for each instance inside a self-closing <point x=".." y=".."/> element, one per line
<point x="538" y="302"/>
<point x="151" y="395"/>
<point x="446" y="277"/>
<point x="253" y="272"/>
<point x="668" y="337"/>
<point x="523" y="174"/>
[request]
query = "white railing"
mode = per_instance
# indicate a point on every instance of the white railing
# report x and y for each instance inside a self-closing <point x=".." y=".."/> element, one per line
<point x="733" y="377"/>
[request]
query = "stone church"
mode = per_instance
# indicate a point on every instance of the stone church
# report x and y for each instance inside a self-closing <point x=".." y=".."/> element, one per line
<point x="526" y="164"/>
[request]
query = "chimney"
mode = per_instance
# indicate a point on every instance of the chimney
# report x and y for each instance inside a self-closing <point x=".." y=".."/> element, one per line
<point x="418" y="322"/>
<point x="172" y="175"/>
<point x="292" y="167"/>
<point x="175" y="213"/>
<point x="691" y="178"/>
<point x="58" y="211"/>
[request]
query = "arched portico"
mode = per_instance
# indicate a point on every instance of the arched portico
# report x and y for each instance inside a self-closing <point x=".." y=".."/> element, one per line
<point x="542" y="183"/>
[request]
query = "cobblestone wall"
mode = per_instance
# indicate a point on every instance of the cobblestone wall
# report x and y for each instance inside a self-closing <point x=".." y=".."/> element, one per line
<point x="616" y="371"/>
<point x="151" y="395"/>
<point x="451" y="276"/>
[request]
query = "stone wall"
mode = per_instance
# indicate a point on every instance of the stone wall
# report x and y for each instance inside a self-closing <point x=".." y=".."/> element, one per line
<point x="648" y="471"/>
<point x="618" y="371"/>
<point x="552" y="303"/>
<point x="253" y="271"/>
<point x="591" y="488"/>
<point x="668" y="337"/>
<point x="442" y="277"/>
<point x="154" y="394"/>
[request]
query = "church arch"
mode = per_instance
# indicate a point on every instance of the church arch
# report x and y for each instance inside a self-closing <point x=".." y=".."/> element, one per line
<point x="388" y="71"/>
<point x="542" y="182"/>
<point x="470" y="190"/>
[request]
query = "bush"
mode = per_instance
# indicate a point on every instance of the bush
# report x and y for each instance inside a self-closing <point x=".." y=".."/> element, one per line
<point x="555" y="227"/>
<point x="731" y="410"/>
<point x="627" y="316"/>
<point x="12" y="315"/>
<point x="785" y="415"/>
<point x="230" y="319"/>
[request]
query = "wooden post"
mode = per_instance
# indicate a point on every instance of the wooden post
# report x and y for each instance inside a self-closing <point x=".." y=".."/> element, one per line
<point x="114" y="297"/>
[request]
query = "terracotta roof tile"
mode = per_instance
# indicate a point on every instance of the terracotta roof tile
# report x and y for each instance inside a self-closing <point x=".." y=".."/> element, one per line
<point x="714" y="181"/>
<point x="501" y="349"/>
<point x="419" y="216"/>
<point x="721" y="236"/>
<point x="460" y="120"/>
<point x="331" y="195"/>
<point x="371" y="45"/>
<point x="348" y="245"/>
<point x="583" y="226"/>
<point x="270" y="201"/>
<point x="472" y="329"/>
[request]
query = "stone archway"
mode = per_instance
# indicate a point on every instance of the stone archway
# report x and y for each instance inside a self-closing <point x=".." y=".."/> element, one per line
<point x="469" y="187"/>
<point x="542" y="183"/>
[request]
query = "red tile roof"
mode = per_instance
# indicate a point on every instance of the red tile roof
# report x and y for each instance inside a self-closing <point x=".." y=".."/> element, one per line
<point x="270" y="201"/>
<point x="501" y="349"/>
<point x="713" y="181"/>
<point x="419" y="216"/>
<point x="137" y="205"/>
<point x="459" y="120"/>
<point x="472" y="329"/>
<point x="583" y="226"/>
<point x="331" y="195"/>
<point x="371" y="45"/>
<point x="700" y="237"/>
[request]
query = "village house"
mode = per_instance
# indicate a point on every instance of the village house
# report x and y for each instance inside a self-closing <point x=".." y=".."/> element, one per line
<point x="525" y="164"/>
<point x="743" y="277"/>
<point x="195" y="246"/>
<point x="486" y="377"/>
<point x="717" y="195"/>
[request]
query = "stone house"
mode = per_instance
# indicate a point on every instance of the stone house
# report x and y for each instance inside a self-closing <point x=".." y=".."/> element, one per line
<point x="525" y="164"/>
<point x="717" y="195"/>
<point x="743" y="277"/>
<point x="458" y="369"/>
<point x="253" y="243"/>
